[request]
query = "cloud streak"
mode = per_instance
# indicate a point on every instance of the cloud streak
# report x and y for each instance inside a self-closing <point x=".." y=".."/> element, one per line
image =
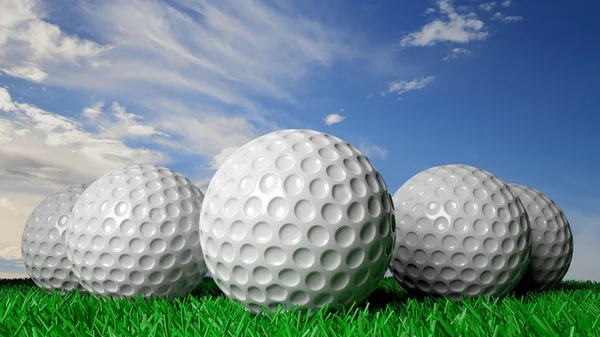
<point x="456" y="53"/>
<point x="402" y="87"/>
<point x="507" y="19"/>
<point x="450" y="27"/>
<point x="27" y="43"/>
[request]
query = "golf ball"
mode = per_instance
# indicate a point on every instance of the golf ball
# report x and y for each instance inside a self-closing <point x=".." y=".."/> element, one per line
<point x="551" y="240"/>
<point x="43" y="243"/>
<point x="297" y="218"/>
<point x="460" y="231"/>
<point x="135" y="232"/>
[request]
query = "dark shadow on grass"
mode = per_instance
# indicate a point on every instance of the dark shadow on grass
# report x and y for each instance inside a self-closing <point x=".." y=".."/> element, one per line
<point x="389" y="293"/>
<point x="527" y="295"/>
<point x="207" y="288"/>
<point x="8" y="282"/>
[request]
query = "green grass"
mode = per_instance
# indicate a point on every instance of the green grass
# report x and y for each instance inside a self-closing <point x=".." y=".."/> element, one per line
<point x="570" y="309"/>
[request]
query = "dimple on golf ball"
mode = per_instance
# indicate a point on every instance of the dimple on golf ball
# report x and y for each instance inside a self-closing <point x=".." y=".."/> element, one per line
<point x="43" y="243"/>
<point x="551" y="240"/>
<point x="297" y="218"/>
<point x="135" y="232"/>
<point x="460" y="231"/>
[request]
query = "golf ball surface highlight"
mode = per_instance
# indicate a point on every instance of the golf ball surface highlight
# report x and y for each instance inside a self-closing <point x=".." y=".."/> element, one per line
<point x="135" y="232"/>
<point x="297" y="218"/>
<point x="551" y="240"/>
<point x="460" y="231"/>
<point x="43" y="243"/>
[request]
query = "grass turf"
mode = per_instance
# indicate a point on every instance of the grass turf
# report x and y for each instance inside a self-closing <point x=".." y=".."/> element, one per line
<point x="570" y="309"/>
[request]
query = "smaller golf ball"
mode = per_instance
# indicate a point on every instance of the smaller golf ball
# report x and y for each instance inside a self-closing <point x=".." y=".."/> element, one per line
<point x="460" y="231"/>
<point x="297" y="218"/>
<point x="43" y="244"/>
<point x="135" y="231"/>
<point x="551" y="240"/>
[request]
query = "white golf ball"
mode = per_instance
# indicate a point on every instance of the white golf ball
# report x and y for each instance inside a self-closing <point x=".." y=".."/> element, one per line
<point x="135" y="232"/>
<point x="460" y="231"/>
<point x="297" y="218"/>
<point x="43" y="244"/>
<point x="551" y="240"/>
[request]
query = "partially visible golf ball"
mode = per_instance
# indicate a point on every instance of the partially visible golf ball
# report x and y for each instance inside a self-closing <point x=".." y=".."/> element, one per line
<point x="135" y="232"/>
<point x="297" y="218"/>
<point x="43" y="244"/>
<point x="551" y="240"/>
<point x="460" y="231"/>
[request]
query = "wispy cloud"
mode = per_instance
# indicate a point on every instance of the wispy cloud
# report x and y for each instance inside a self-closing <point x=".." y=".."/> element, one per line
<point x="501" y="17"/>
<point x="402" y="87"/>
<point x="372" y="150"/>
<point x="39" y="147"/>
<point x="457" y="52"/>
<point x="450" y="27"/>
<point x="118" y="123"/>
<point x="27" y="43"/>
<point x="506" y="3"/>
<point x="333" y="119"/>
<point x="487" y="6"/>
<point x="236" y="50"/>
<point x="160" y="54"/>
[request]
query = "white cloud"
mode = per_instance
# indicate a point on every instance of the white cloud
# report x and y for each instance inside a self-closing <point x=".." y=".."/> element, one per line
<point x="155" y="52"/>
<point x="512" y="18"/>
<point x="222" y="156"/>
<point x="487" y="6"/>
<point x="500" y="17"/>
<point x="236" y="50"/>
<point x="93" y="111"/>
<point x="402" y="87"/>
<point x="506" y="3"/>
<point x="456" y="52"/>
<point x="371" y="150"/>
<point x="7" y="204"/>
<point x="31" y="73"/>
<point x="333" y="119"/>
<point x="453" y="27"/>
<point x="27" y="43"/>
<point x="119" y="124"/>
<point x="43" y="148"/>
<point x="10" y="253"/>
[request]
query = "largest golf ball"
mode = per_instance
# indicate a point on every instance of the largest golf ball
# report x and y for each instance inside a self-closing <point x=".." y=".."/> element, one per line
<point x="551" y="240"/>
<point x="43" y="244"/>
<point x="297" y="218"/>
<point x="460" y="231"/>
<point x="135" y="232"/>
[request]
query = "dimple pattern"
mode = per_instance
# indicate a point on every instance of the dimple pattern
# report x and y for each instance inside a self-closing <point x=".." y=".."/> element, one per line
<point x="297" y="218"/>
<point x="135" y="232"/>
<point x="460" y="231"/>
<point x="551" y="240"/>
<point x="43" y="246"/>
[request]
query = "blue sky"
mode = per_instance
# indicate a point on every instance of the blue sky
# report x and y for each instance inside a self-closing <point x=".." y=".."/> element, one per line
<point x="89" y="86"/>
